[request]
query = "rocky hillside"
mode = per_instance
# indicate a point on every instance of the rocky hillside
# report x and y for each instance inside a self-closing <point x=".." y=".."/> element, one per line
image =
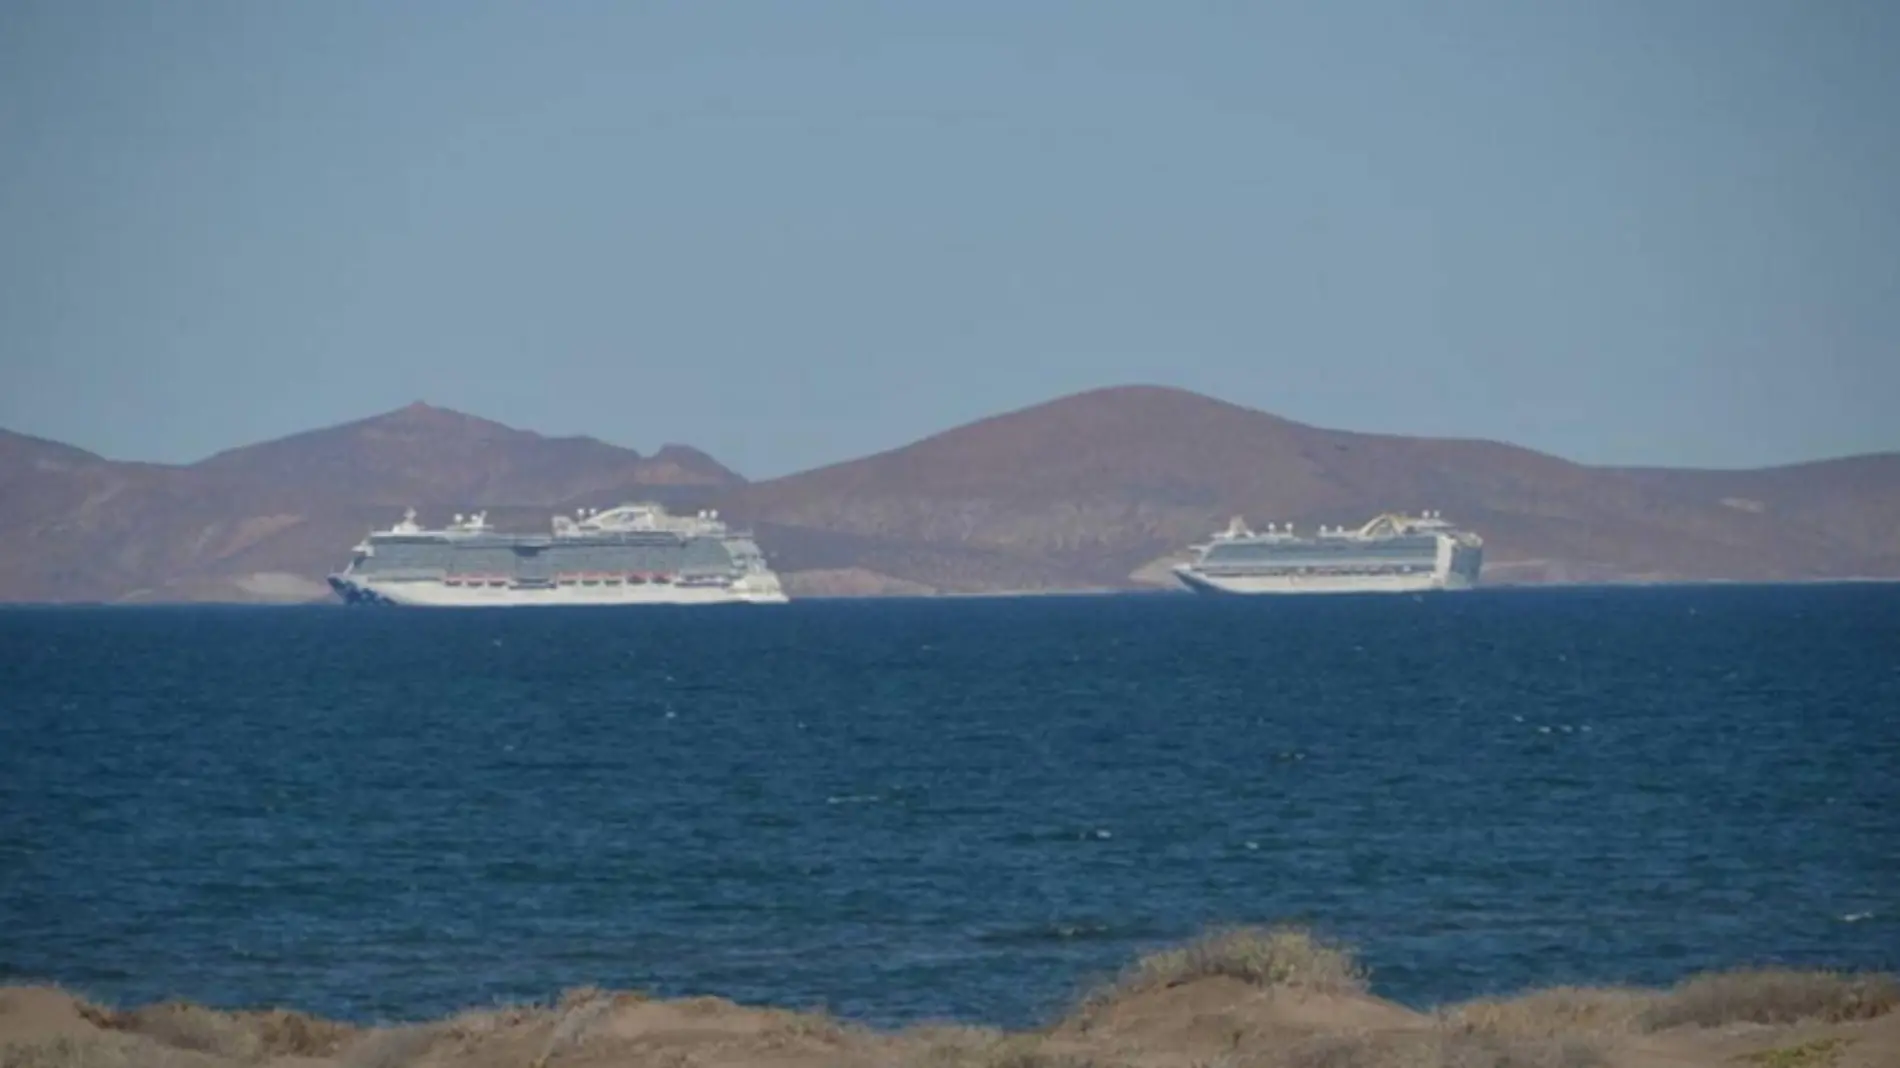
<point x="1101" y="488"/>
<point x="266" y="522"/>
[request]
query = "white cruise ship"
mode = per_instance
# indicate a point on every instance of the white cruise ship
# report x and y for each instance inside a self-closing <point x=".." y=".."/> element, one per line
<point x="1392" y="553"/>
<point x="630" y="555"/>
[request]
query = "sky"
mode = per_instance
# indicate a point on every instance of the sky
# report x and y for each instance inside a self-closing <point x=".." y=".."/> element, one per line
<point x="790" y="233"/>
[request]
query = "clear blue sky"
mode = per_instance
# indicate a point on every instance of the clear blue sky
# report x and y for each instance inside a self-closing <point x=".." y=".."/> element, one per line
<point x="1653" y="231"/>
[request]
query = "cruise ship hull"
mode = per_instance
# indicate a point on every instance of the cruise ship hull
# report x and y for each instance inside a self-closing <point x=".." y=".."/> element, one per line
<point x="632" y="554"/>
<point x="436" y="594"/>
<point x="1390" y="554"/>
<point x="1266" y="584"/>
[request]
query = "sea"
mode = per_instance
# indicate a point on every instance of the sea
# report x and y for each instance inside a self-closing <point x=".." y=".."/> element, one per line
<point x="962" y="809"/>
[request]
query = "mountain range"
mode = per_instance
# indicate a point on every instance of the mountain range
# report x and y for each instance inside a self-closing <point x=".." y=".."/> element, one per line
<point x="1098" y="490"/>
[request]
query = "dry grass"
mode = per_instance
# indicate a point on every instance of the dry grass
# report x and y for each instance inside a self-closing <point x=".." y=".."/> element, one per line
<point x="1020" y="1052"/>
<point x="1564" y="1027"/>
<point x="813" y="1025"/>
<point x="1718" y="999"/>
<point x="473" y="1025"/>
<point x="1770" y="996"/>
<point x="102" y="1051"/>
<point x="577" y="1012"/>
<point x="182" y="1025"/>
<point x="1816" y="1054"/>
<point x="391" y="1047"/>
<point x="1559" y="1011"/>
<point x="947" y="1045"/>
<point x="1290" y="957"/>
<point x="245" y="1037"/>
<point x="1436" y="1049"/>
<point x="281" y="1033"/>
<point x="981" y="1047"/>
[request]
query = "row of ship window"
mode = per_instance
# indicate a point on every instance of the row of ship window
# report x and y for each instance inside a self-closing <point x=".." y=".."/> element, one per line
<point x="1256" y="569"/>
<point x="566" y="580"/>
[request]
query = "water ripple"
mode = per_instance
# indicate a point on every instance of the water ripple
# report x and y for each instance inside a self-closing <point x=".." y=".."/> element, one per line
<point x="961" y="809"/>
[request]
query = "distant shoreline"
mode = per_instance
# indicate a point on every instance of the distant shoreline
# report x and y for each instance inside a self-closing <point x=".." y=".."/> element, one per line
<point x="1100" y="488"/>
<point x="1021" y="594"/>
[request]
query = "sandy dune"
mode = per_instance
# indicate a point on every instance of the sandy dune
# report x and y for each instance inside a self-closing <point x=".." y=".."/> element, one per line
<point x="1253" y="998"/>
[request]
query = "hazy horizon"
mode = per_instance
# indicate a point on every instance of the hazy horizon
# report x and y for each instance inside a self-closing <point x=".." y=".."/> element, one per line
<point x="1620" y="233"/>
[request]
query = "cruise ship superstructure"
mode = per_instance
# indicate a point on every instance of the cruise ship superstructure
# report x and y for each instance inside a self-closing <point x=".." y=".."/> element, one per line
<point x="1391" y="553"/>
<point x="630" y="555"/>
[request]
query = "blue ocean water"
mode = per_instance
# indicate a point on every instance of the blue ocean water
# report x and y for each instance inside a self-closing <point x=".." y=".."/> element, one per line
<point x="943" y="809"/>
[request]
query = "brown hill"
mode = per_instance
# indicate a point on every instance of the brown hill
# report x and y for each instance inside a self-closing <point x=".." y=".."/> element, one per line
<point x="1089" y="489"/>
<point x="424" y="456"/>
<point x="266" y="522"/>
<point x="21" y="453"/>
